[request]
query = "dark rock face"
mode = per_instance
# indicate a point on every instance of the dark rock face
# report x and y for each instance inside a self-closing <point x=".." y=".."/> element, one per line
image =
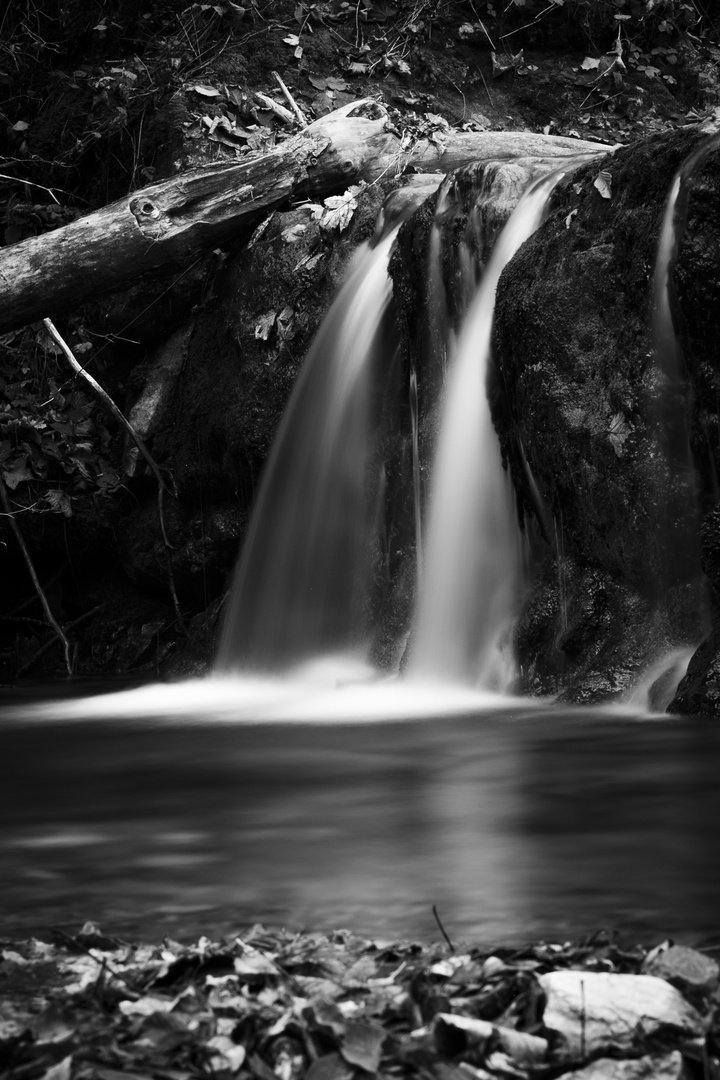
<point x="581" y="404"/>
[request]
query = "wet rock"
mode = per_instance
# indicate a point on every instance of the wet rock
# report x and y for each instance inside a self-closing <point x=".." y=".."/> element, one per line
<point x="573" y="401"/>
<point x="594" y="1011"/>
<point x="147" y="413"/>
<point x="685" y="968"/>
<point x="651" y="1067"/>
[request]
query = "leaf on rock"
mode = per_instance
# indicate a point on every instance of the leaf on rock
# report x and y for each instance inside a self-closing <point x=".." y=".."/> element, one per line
<point x="293" y="233"/>
<point x="264" y="325"/>
<point x="603" y="183"/>
<point x="362" y="1045"/>
<point x="339" y="209"/>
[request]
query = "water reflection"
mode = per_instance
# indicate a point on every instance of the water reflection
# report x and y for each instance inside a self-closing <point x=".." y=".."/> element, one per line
<point x="516" y="822"/>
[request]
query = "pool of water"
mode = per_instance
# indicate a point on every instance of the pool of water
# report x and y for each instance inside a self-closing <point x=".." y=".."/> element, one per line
<point x="179" y="812"/>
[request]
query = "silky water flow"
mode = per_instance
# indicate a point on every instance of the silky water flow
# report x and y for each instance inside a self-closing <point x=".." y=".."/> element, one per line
<point x="471" y="579"/>
<point x="297" y="598"/>
<point x="250" y="796"/>
<point x="296" y="592"/>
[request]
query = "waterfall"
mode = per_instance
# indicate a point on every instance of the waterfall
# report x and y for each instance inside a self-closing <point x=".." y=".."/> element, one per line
<point x="676" y="497"/>
<point x="472" y="567"/>
<point x="298" y="587"/>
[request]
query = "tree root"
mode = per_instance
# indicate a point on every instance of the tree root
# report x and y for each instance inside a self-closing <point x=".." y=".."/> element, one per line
<point x="118" y="414"/>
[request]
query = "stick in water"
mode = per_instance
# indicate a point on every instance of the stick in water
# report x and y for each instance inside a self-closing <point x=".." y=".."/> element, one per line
<point x="450" y="945"/>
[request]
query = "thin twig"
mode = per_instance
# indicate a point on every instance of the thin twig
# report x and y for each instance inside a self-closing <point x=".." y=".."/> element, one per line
<point x="291" y="101"/>
<point x="482" y="24"/>
<point x="33" y="575"/>
<point x="487" y="88"/>
<point x="48" y="644"/>
<point x="450" y="945"/>
<point x="110" y="404"/>
<point x="535" y="21"/>
<point x="19" y="180"/>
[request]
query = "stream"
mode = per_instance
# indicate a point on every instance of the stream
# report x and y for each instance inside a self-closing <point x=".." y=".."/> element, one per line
<point x="519" y="821"/>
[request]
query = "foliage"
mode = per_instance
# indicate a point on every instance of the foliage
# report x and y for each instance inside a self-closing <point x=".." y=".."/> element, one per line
<point x="277" y="1005"/>
<point x="644" y="23"/>
<point x="54" y="445"/>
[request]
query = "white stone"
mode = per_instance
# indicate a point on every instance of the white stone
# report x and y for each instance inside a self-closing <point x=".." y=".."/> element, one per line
<point x="595" y="1010"/>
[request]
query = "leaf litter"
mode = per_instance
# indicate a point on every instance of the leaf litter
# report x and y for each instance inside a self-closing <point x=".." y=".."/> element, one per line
<point x="275" y="1005"/>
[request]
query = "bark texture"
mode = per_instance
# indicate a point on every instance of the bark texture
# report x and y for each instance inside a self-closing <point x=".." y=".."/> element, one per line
<point x="166" y="226"/>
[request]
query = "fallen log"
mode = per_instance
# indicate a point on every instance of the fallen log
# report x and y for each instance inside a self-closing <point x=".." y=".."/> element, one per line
<point x="163" y="227"/>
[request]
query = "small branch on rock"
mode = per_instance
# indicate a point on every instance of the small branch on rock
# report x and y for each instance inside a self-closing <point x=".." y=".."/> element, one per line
<point x="118" y="414"/>
<point x="291" y="101"/>
<point x="57" y="629"/>
<point x="283" y="114"/>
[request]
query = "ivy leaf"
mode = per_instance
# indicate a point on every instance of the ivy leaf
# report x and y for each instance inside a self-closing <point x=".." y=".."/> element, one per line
<point x="15" y="472"/>
<point x="58" y="502"/>
<point x="339" y="209"/>
<point x="107" y="481"/>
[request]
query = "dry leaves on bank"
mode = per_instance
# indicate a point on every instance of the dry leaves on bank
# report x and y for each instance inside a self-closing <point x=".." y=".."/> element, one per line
<point x="271" y="1005"/>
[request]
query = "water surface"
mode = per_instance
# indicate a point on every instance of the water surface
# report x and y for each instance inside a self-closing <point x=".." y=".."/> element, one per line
<point x="516" y="821"/>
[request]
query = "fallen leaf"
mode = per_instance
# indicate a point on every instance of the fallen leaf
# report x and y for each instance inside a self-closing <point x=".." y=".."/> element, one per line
<point x="61" y="1071"/>
<point x="339" y="210"/>
<point x="206" y="91"/>
<point x="293" y="233"/>
<point x="362" y="1045"/>
<point x="502" y="64"/>
<point x="603" y="183"/>
<point x="263" y="327"/>
<point x="330" y="1067"/>
<point x="226" y="1053"/>
<point x="146" y="1006"/>
<point x="16" y="472"/>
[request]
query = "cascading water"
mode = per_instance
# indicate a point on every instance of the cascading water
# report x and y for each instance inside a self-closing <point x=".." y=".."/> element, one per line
<point x="472" y="567"/>
<point x="298" y="585"/>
